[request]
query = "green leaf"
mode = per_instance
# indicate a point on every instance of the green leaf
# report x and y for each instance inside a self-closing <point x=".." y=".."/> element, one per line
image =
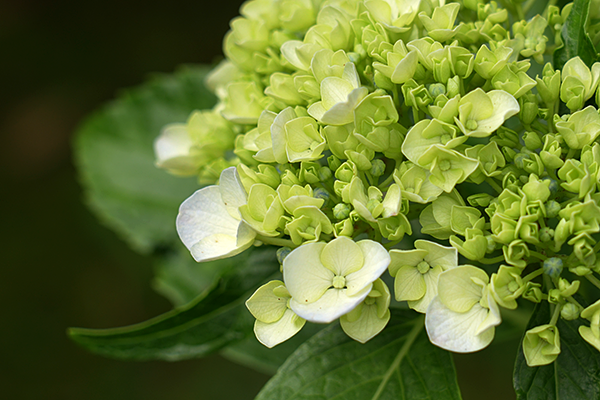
<point x="115" y="157"/>
<point x="181" y="279"/>
<point x="215" y="319"/>
<point x="576" y="41"/>
<point x="399" y="363"/>
<point x="253" y="354"/>
<point x="574" y="375"/>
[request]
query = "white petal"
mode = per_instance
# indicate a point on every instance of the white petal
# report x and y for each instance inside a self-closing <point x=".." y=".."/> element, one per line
<point x="274" y="333"/>
<point x="332" y="305"/>
<point x="174" y="141"/>
<point x="376" y="262"/>
<point x="305" y="277"/>
<point x="367" y="326"/>
<point x="457" y="290"/>
<point x="232" y="191"/>
<point x="207" y="229"/>
<point x="342" y="256"/>
<point x="431" y="281"/>
<point x="457" y="331"/>
<point x="438" y="254"/>
<point x="505" y="106"/>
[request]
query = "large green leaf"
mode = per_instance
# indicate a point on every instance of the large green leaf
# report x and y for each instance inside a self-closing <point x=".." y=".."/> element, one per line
<point x="215" y="319"/>
<point x="400" y="363"/>
<point x="574" y="375"/>
<point x="115" y="157"/>
<point x="251" y="353"/>
<point x="180" y="278"/>
<point x="576" y="41"/>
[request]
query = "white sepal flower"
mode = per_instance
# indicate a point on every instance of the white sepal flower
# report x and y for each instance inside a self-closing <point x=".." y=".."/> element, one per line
<point x="327" y="281"/>
<point x="173" y="150"/>
<point x="462" y="317"/>
<point x="209" y="223"/>
<point x="275" y="321"/>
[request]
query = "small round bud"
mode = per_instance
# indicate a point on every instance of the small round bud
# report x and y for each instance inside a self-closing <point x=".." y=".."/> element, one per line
<point x="553" y="267"/>
<point x="435" y="89"/>
<point x="324" y="174"/>
<point x="569" y="312"/>
<point x="341" y="211"/>
<point x="491" y="244"/>
<point x="321" y="193"/>
<point x="580" y="270"/>
<point x="546" y="234"/>
<point x="282" y="253"/>
<point x="553" y="186"/>
<point x="377" y="167"/>
<point x="519" y="160"/>
<point x="552" y="208"/>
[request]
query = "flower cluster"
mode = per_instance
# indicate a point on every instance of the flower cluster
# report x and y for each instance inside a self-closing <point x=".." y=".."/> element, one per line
<point x="408" y="136"/>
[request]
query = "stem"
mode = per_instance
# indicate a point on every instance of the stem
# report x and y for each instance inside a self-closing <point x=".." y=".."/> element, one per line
<point x="276" y="241"/>
<point x="555" y="314"/>
<point x="494" y="260"/>
<point x="570" y="299"/>
<point x="570" y="154"/>
<point x="532" y="275"/>
<point x="593" y="280"/>
<point x="538" y="255"/>
<point x="387" y="181"/>
<point x="528" y="6"/>
<point x="494" y="185"/>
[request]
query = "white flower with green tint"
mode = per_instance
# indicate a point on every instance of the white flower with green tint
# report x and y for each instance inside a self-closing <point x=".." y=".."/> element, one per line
<point x="579" y="83"/>
<point x="173" y="151"/>
<point x="416" y="272"/>
<point x="327" y="281"/>
<point x="369" y="317"/>
<point x="209" y="223"/>
<point x="296" y="137"/>
<point x="396" y="15"/>
<point x="462" y="317"/>
<point x="591" y="334"/>
<point x="481" y="113"/>
<point x="275" y="321"/>
<point x="339" y="98"/>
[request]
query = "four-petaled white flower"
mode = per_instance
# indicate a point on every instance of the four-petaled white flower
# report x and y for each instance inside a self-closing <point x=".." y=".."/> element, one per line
<point x="327" y="281"/>
<point x="462" y="317"/>
<point x="209" y="223"/>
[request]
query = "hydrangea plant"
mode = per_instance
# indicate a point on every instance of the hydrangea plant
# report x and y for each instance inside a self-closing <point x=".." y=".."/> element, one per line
<point x="418" y="170"/>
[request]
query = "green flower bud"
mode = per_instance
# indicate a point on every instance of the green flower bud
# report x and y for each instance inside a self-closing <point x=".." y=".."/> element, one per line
<point x="488" y="63"/>
<point x="541" y="345"/>
<point x="322" y="194"/>
<point x="344" y="228"/>
<point x="506" y="286"/>
<point x="566" y="288"/>
<point x="536" y="189"/>
<point x="546" y="234"/>
<point x="513" y="81"/>
<point x="553" y="267"/>
<point x="307" y="225"/>
<point x="346" y="171"/>
<point x="516" y="253"/>
<point x="341" y="211"/>
<point x="552" y="209"/>
<point x="282" y="253"/>
<point x="549" y="85"/>
<point x="324" y="174"/>
<point x="551" y="152"/>
<point x="377" y="167"/>
<point x="532" y="141"/>
<point x="529" y="108"/>
<point x="570" y="312"/>
<point x="533" y="292"/>
<point x="333" y="162"/>
<point x="309" y="172"/>
<point x="579" y="83"/>
<point x="440" y="25"/>
<point x="479" y="199"/>
<point x="394" y="227"/>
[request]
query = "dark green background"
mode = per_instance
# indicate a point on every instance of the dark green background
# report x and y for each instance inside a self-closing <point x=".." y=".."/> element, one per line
<point x="59" y="61"/>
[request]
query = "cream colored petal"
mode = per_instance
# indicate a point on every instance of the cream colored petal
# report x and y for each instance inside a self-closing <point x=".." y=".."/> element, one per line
<point x="400" y="258"/>
<point x="409" y="284"/>
<point x="431" y="282"/>
<point x="277" y="332"/>
<point x="265" y="305"/>
<point x="332" y="305"/>
<point x="376" y="262"/>
<point x="457" y="331"/>
<point x="367" y="326"/>
<point x="342" y="256"/>
<point x="457" y="290"/>
<point x="232" y="190"/>
<point x="207" y="229"/>
<point x="437" y="254"/>
<point x="305" y="277"/>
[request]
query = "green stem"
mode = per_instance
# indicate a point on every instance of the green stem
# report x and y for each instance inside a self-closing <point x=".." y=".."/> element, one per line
<point x="593" y="280"/>
<point x="570" y="299"/>
<point x="276" y="241"/>
<point x="570" y="154"/>
<point x="494" y="260"/>
<point x="528" y="6"/>
<point x="537" y="255"/>
<point x="386" y="183"/>
<point x="533" y="275"/>
<point x="494" y="185"/>
<point x="555" y="314"/>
